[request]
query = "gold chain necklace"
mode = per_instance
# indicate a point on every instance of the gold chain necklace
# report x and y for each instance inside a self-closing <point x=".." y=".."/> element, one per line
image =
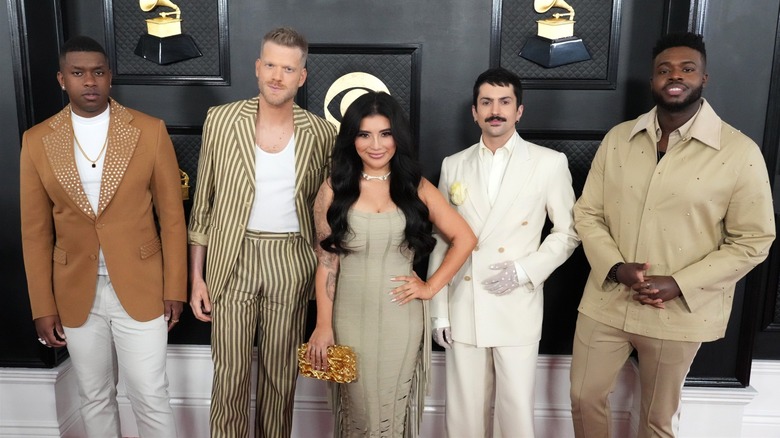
<point x="100" y="154"/>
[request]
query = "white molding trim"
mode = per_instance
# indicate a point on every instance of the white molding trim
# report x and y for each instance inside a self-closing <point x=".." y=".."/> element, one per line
<point x="43" y="402"/>
<point x="761" y="418"/>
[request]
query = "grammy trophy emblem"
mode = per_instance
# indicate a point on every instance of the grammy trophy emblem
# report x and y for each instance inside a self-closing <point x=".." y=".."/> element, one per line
<point x="554" y="44"/>
<point x="163" y="42"/>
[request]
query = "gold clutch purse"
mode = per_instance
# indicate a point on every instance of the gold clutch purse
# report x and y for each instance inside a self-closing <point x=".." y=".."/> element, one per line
<point x="342" y="364"/>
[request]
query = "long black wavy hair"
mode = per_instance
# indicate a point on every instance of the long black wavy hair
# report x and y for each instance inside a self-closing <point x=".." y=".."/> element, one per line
<point x="405" y="176"/>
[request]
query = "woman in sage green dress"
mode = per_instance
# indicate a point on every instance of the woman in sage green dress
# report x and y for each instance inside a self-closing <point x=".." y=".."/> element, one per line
<point x="373" y="219"/>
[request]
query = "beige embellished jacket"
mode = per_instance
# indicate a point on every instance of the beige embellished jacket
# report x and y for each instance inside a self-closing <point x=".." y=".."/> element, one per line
<point x="703" y="214"/>
<point x="62" y="235"/>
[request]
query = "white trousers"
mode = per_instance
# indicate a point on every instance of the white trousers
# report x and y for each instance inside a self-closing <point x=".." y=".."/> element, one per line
<point x="480" y="377"/>
<point x="110" y="341"/>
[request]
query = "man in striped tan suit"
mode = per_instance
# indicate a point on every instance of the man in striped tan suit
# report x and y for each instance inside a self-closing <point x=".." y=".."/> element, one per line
<point x="261" y="163"/>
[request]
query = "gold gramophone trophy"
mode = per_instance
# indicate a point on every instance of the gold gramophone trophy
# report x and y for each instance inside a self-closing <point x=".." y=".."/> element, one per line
<point x="554" y="43"/>
<point x="163" y="41"/>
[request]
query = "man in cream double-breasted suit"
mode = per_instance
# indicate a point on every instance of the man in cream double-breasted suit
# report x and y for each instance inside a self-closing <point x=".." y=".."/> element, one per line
<point x="489" y="318"/>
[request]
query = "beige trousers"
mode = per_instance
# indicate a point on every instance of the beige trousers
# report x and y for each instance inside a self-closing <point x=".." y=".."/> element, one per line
<point x="478" y="378"/>
<point x="599" y="352"/>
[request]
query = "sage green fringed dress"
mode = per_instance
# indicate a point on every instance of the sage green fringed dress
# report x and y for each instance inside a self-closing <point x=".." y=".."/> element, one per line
<point x="391" y="341"/>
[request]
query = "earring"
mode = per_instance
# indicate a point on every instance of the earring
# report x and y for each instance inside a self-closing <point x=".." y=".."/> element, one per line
<point x="63" y="88"/>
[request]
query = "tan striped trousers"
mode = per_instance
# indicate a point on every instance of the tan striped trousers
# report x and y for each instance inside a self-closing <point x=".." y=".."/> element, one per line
<point x="267" y="295"/>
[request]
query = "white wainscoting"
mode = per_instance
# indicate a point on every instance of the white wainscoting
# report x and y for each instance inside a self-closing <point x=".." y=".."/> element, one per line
<point x="43" y="402"/>
<point x="761" y="418"/>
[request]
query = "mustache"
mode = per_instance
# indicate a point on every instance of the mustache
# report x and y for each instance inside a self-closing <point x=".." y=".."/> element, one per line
<point x="498" y="118"/>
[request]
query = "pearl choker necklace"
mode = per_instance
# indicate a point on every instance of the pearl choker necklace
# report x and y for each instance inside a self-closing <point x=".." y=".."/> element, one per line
<point x="368" y="177"/>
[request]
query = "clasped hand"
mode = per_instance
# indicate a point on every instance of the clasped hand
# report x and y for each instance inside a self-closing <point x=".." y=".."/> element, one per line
<point x="504" y="281"/>
<point x="656" y="290"/>
<point x="649" y="290"/>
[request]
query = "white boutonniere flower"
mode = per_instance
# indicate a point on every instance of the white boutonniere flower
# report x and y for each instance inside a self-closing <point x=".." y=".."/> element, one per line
<point x="458" y="192"/>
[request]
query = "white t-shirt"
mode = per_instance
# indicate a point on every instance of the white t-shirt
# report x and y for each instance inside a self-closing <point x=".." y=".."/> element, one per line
<point x="91" y="133"/>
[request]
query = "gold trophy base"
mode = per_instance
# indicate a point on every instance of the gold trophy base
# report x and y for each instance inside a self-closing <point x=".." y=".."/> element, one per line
<point x="163" y="26"/>
<point x="554" y="28"/>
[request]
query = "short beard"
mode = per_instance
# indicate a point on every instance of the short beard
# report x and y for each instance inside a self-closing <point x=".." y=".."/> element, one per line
<point x="279" y="100"/>
<point x="676" y="107"/>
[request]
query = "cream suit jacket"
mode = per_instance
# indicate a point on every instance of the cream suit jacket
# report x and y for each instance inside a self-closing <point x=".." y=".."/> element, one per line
<point x="537" y="184"/>
<point x="225" y="188"/>
<point x="62" y="235"/>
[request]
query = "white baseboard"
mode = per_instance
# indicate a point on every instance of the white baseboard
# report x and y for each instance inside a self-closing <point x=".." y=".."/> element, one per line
<point x="43" y="402"/>
<point x="761" y="418"/>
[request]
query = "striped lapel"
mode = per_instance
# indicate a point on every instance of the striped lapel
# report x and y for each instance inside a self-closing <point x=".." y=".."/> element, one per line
<point x="304" y="142"/>
<point x="243" y="141"/>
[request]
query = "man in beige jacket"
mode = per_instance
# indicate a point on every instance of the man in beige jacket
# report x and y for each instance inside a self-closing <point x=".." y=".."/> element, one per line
<point x="676" y="209"/>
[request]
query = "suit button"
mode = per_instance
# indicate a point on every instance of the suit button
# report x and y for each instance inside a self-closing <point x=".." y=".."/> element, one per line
<point x="467" y="278"/>
<point x="524" y="223"/>
<point x="100" y="226"/>
<point x="93" y="257"/>
<point x="501" y="249"/>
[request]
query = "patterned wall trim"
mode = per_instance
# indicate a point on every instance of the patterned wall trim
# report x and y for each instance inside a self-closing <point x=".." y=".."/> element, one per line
<point x="396" y="66"/>
<point x="579" y="147"/>
<point x="597" y="22"/>
<point x="206" y="21"/>
<point x="770" y="271"/>
<point x="186" y="142"/>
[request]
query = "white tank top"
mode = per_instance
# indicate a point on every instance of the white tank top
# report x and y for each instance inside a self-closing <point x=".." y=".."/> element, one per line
<point x="273" y="209"/>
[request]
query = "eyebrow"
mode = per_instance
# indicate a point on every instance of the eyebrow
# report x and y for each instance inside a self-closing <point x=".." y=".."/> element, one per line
<point x="681" y="63"/>
<point x="495" y="98"/>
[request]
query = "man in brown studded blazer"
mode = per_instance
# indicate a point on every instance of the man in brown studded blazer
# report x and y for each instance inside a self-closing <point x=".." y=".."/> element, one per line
<point x="261" y="163"/>
<point x="104" y="243"/>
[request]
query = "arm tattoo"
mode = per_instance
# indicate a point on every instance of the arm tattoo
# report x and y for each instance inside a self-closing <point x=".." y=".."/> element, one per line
<point x="330" y="285"/>
<point x="328" y="260"/>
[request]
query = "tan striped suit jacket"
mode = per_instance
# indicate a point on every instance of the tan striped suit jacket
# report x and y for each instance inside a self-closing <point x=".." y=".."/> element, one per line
<point x="225" y="187"/>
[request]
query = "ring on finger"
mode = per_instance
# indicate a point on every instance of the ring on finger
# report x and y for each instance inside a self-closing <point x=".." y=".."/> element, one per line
<point x="42" y="341"/>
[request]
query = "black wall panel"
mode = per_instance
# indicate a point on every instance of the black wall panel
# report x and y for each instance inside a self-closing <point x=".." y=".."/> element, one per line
<point x="453" y="43"/>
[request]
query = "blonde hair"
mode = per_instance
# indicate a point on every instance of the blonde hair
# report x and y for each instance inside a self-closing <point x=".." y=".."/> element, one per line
<point x="287" y="37"/>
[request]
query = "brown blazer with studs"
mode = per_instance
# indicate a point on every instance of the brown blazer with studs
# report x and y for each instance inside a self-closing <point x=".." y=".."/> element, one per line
<point x="140" y="193"/>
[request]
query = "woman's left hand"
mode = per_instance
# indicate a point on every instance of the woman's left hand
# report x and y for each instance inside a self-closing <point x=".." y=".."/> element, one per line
<point x="413" y="288"/>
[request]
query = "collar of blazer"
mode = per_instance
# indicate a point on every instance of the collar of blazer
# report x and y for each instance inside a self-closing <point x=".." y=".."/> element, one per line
<point x="516" y="178"/>
<point x="122" y="141"/>
<point x="245" y="140"/>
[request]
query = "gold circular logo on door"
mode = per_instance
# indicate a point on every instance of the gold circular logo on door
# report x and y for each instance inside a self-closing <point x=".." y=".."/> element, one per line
<point x="350" y="87"/>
